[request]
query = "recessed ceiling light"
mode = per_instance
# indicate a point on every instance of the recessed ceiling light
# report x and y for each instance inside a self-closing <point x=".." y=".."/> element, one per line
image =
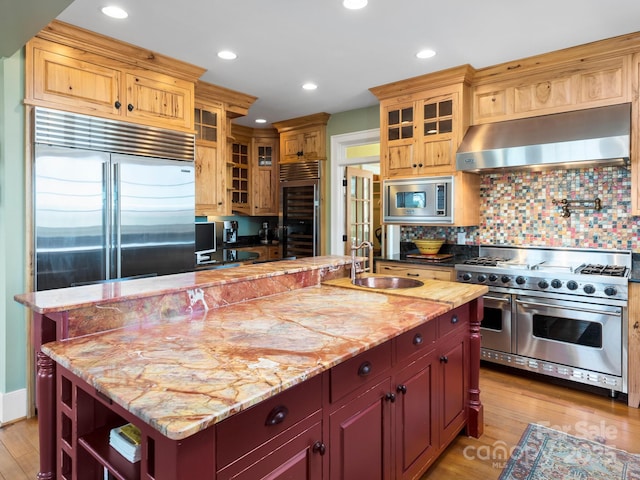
<point x="427" y="53"/>
<point x="354" y="4"/>
<point x="309" y="86"/>
<point x="227" y="55"/>
<point x="114" y="12"/>
<point x="260" y="120"/>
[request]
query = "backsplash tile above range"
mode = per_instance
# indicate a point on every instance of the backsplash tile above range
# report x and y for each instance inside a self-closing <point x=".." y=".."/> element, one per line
<point x="517" y="209"/>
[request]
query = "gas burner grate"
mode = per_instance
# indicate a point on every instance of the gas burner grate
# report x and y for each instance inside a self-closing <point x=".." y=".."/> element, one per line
<point x="608" y="270"/>
<point x="484" y="261"/>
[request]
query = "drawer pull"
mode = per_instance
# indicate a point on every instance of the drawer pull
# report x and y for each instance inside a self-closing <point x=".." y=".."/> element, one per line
<point x="402" y="389"/>
<point x="444" y="359"/>
<point x="409" y="274"/>
<point x="417" y="339"/>
<point x="365" y="369"/>
<point x="390" y="397"/>
<point x="277" y="415"/>
<point x="319" y="447"/>
<point x="454" y="319"/>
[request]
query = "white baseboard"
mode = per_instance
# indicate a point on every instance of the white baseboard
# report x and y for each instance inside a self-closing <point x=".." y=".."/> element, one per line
<point x="13" y="406"/>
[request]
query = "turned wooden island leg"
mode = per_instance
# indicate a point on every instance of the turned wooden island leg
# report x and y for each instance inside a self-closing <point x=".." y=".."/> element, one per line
<point x="44" y="331"/>
<point x="475" y="425"/>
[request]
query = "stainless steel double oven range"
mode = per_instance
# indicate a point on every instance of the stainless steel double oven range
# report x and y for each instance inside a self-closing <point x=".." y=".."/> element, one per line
<point x="559" y="312"/>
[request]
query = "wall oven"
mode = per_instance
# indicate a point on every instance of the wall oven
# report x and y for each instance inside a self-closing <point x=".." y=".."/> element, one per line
<point x="558" y="312"/>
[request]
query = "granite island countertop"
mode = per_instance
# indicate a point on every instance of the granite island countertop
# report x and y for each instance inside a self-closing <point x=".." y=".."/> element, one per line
<point x="185" y="373"/>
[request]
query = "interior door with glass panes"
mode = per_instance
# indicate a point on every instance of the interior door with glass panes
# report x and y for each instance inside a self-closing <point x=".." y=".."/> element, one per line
<point x="359" y="210"/>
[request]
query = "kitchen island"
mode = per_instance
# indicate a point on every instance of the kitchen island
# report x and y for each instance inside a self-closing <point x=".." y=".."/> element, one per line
<point x="296" y="364"/>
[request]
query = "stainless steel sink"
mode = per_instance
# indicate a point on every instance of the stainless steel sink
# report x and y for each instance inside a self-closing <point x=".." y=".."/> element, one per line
<point x="387" y="282"/>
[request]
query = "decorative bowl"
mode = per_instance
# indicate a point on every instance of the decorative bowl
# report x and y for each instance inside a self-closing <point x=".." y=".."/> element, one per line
<point x="428" y="246"/>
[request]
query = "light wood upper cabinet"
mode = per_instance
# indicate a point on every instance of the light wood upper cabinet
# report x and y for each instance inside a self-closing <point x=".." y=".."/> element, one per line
<point x="215" y="107"/>
<point x="211" y="168"/>
<point x="80" y="71"/>
<point x="253" y="171"/>
<point x="303" y="139"/>
<point x="553" y="89"/>
<point x="158" y="100"/>
<point x="265" y="173"/>
<point x="64" y="79"/>
<point x="422" y="122"/>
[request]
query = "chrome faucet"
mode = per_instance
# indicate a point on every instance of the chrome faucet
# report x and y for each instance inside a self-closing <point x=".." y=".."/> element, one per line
<point x="355" y="266"/>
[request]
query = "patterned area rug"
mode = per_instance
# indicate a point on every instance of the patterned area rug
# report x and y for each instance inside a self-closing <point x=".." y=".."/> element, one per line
<point x="543" y="453"/>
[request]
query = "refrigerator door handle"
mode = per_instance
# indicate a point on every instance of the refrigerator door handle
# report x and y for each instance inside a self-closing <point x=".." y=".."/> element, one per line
<point x="116" y="239"/>
<point x="107" y="214"/>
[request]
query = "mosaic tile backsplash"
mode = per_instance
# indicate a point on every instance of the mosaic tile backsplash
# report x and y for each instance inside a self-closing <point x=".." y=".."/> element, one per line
<point x="517" y="209"/>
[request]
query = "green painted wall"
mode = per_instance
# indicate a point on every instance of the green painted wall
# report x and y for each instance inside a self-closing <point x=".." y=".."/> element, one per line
<point x="13" y="338"/>
<point x="339" y="123"/>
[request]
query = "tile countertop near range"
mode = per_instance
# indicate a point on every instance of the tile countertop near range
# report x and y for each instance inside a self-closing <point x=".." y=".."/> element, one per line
<point x="185" y="374"/>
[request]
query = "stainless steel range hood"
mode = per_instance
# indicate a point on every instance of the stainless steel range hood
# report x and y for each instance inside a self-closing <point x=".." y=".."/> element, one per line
<point x="596" y="136"/>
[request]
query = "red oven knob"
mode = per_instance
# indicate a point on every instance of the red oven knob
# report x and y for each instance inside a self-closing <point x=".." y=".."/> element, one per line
<point x="611" y="291"/>
<point x="589" y="289"/>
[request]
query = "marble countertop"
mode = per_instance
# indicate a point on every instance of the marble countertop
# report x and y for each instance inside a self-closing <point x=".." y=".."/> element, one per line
<point x="65" y="299"/>
<point x="188" y="373"/>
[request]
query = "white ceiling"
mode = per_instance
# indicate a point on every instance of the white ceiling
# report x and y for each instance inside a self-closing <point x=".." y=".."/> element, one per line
<point x="282" y="44"/>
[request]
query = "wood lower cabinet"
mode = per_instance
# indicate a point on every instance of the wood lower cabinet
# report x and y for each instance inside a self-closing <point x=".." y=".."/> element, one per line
<point x="360" y="435"/>
<point x="384" y="414"/>
<point x="265" y="252"/>
<point x="415" y="271"/>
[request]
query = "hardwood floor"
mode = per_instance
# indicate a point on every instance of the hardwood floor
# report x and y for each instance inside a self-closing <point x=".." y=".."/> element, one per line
<point x="511" y="401"/>
<point x="19" y="450"/>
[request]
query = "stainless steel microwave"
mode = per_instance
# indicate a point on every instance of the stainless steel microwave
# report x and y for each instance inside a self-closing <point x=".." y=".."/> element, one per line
<point x="418" y="200"/>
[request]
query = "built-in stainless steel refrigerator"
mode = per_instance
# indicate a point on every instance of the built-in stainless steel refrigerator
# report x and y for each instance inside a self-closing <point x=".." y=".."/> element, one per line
<point x="300" y="209"/>
<point x="111" y="200"/>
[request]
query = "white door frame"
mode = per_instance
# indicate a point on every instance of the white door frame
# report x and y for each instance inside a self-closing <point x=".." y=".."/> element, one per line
<point x="339" y="161"/>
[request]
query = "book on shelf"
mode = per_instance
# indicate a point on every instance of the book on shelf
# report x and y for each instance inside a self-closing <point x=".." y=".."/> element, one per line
<point x="126" y="441"/>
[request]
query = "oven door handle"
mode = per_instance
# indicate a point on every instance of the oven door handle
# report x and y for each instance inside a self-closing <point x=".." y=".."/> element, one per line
<point x="616" y="312"/>
<point x="498" y="299"/>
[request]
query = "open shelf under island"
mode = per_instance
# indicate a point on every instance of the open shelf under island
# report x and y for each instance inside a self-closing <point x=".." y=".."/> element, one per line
<point x="277" y="370"/>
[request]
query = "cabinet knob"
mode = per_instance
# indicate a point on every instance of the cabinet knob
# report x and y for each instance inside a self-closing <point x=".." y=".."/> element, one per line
<point x="277" y="415"/>
<point x="390" y="397"/>
<point x="415" y="165"/>
<point x="130" y="107"/>
<point x="417" y="339"/>
<point x="402" y="389"/>
<point x="365" y="369"/>
<point x="319" y="447"/>
<point x="117" y="104"/>
<point x="454" y="319"/>
<point x="420" y="165"/>
<point x="444" y="359"/>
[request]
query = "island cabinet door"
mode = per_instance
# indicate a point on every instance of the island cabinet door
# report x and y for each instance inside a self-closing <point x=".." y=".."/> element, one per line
<point x="299" y="458"/>
<point x="453" y="387"/>
<point x="360" y="436"/>
<point x="416" y="419"/>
